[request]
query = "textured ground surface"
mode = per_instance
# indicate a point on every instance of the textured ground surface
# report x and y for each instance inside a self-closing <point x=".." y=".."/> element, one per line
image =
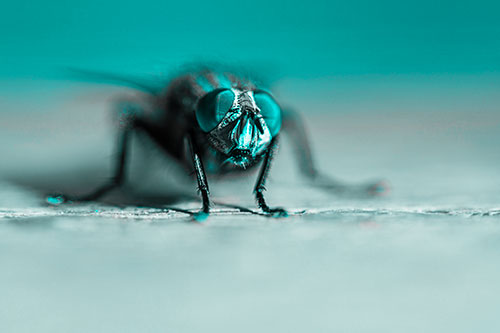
<point x="424" y="258"/>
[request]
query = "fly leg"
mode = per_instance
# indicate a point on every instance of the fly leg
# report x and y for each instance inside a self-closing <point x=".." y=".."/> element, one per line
<point x="127" y="125"/>
<point x="202" y="180"/>
<point x="293" y="125"/>
<point x="260" y="186"/>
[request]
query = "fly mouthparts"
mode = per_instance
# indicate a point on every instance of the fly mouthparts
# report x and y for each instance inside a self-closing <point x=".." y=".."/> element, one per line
<point x="239" y="153"/>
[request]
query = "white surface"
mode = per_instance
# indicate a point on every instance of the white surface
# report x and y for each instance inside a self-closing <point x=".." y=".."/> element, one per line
<point x="423" y="259"/>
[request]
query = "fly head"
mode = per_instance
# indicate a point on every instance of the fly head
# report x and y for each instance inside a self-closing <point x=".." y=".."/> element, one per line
<point x="239" y="124"/>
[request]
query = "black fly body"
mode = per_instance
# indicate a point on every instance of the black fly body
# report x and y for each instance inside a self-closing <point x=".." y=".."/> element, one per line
<point x="228" y="124"/>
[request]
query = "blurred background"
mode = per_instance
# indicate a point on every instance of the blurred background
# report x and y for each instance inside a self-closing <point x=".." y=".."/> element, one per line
<point x="404" y="91"/>
<point x="305" y="40"/>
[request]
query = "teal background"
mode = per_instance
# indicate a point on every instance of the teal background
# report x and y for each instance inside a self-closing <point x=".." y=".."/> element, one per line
<point x="301" y="39"/>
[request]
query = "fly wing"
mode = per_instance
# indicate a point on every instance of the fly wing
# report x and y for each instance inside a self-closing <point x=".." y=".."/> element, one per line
<point x="148" y="85"/>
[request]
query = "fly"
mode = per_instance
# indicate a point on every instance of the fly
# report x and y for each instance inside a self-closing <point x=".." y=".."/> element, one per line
<point x="224" y="118"/>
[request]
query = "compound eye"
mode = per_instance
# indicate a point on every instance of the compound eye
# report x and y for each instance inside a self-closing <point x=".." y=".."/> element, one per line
<point x="270" y="111"/>
<point x="212" y="108"/>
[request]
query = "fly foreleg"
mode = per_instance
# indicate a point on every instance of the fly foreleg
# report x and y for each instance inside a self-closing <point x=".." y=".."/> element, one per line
<point x="201" y="177"/>
<point x="260" y="186"/>
<point x="293" y="125"/>
<point x="127" y="121"/>
<point x="120" y="167"/>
